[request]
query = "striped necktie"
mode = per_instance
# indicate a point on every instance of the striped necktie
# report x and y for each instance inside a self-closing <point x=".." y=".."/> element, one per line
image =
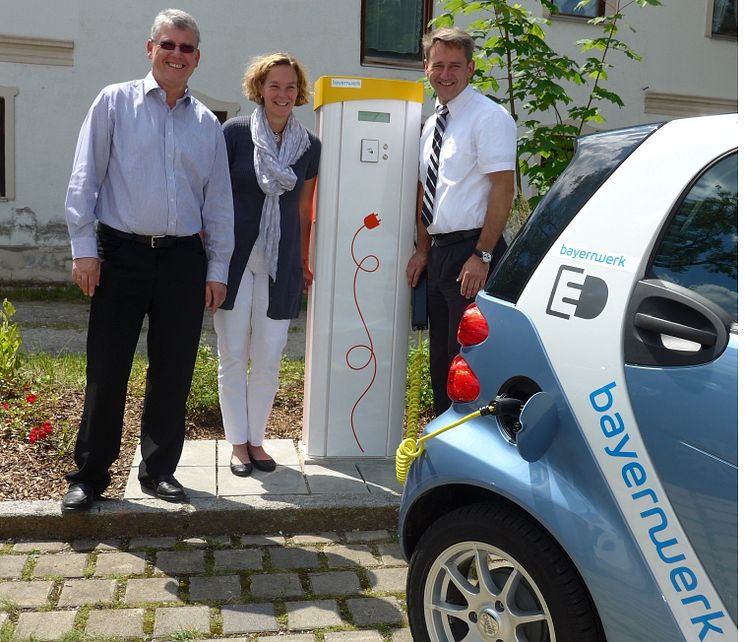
<point x="428" y="202"/>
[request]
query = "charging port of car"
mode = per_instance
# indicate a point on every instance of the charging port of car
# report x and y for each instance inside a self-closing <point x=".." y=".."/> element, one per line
<point x="522" y="389"/>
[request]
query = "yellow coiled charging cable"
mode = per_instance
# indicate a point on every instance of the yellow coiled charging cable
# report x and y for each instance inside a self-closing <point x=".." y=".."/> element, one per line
<point x="410" y="448"/>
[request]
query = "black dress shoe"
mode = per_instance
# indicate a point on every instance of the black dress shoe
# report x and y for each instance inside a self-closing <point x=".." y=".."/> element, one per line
<point x="241" y="470"/>
<point x="78" y="497"/>
<point x="166" y="488"/>
<point x="265" y="465"/>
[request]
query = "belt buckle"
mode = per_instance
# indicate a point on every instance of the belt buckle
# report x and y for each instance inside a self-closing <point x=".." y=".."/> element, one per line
<point x="153" y="240"/>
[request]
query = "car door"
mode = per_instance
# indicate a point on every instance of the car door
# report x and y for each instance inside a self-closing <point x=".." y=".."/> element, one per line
<point x="681" y="354"/>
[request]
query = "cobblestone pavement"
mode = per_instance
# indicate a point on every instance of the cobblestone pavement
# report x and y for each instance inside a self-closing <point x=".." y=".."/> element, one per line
<point x="320" y="587"/>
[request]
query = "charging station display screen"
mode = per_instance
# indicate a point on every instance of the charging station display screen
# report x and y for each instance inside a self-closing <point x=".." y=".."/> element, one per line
<point x="374" y="116"/>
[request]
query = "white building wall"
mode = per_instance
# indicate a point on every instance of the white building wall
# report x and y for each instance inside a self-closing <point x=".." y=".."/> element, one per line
<point x="109" y="39"/>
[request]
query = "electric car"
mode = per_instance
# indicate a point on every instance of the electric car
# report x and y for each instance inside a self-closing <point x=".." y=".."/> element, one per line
<point x="593" y="496"/>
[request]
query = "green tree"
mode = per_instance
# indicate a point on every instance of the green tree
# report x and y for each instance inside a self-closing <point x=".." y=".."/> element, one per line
<point x="517" y="68"/>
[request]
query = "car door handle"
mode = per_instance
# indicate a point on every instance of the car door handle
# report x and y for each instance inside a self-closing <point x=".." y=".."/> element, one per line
<point x="651" y="323"/>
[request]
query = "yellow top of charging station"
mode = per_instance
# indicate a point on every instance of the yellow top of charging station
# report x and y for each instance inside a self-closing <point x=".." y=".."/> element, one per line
<point x="335" y="89"/>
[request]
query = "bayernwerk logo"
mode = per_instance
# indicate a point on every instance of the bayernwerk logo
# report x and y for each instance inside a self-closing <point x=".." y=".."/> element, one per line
<point x="575" y="295"/>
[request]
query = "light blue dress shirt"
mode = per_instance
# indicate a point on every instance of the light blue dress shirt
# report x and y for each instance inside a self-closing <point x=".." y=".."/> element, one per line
<point x="145" y="168"/>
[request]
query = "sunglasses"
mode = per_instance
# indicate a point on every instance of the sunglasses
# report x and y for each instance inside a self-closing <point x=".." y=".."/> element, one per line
<point x="172" y="46"/>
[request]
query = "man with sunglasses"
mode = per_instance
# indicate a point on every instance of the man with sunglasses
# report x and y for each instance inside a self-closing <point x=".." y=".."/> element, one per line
<point x="150" y="216"/>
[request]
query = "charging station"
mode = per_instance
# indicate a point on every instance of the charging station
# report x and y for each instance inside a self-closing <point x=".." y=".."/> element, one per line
<point x="358" y="306"/>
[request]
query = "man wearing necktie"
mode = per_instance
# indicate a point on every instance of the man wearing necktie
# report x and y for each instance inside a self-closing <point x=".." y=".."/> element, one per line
<point x="466" y="188"/>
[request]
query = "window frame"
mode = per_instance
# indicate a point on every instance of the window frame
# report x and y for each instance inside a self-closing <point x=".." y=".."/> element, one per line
<point x="709" y="33"/>
<point x="600" y="12"/>
<point x="384" y="61"/>
<point x="8" y="145"/>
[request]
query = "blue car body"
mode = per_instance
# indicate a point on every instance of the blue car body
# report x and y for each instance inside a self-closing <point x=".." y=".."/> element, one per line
<point x="634" y="474"/>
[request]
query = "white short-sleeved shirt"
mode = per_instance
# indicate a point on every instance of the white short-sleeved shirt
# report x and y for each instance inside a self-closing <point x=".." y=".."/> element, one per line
<point x="480" y="138"/>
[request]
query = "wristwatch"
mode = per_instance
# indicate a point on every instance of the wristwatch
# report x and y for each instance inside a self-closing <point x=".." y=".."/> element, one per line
<point x="484" y="257"/>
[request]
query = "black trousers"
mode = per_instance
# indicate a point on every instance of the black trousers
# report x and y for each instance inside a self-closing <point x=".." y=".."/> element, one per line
<point x="445" y="307"/>
<point x="167" y="284"/>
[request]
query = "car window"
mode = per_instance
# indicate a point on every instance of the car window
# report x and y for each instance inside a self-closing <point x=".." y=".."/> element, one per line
<point x="699" y="249"/>
<point x="596" y="158"/>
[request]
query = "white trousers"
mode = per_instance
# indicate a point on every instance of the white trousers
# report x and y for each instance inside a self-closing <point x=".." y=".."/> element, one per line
<point x="245" y="334"/>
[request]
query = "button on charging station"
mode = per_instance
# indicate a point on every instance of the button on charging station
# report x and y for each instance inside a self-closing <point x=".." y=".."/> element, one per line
<point x="369" y="151"/>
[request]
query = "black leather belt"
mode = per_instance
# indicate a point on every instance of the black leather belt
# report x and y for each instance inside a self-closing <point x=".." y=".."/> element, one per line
<point x="449" y="238"/>
<point x="155" y="241"/>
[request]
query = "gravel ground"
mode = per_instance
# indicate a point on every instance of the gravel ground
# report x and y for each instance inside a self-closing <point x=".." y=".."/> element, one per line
<point x="61" y="327"/>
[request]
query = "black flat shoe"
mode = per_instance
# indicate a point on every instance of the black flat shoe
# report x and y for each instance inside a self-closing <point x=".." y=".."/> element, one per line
<point x="79" y="497"/>
<point x="241" y="470"/>
<point x="265" y="465"/>
<point x="166" y="488"/>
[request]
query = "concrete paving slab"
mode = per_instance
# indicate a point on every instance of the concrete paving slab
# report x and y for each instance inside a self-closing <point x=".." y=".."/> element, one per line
<point x="116" y="623"/>
<point x="214" y="588"/>
<point x="88" y="591"/>
<point x="87" y="545"/>
<point x="179" y="562"/>
<point x="61" y="565"/>
<point x="240" y="559"/>
<point x="276" y="585"/>
<point x="249" y="618"/>
<point x="391" y="554"/>
<point x="313" y="615"/>
<point x="151" y="589"/>
<point x="344" y="555"/>
<point x="283" y="451"/>
<point x="42" y="546"/>
<point x="285" y="480"/>
<point x="198" y="452"/>
<point x="335" y="583"/>
<point x="119" y="564"/>
<point x="283" y="637"/>
<point x="401" y="635"/>
<point x="380" y="476"/>
<point x="367" y="611"/>
<point x="26" y="595"/>
<point x="388" y="580"/>
<point x="316" y="538"/>
<point x="198" y="481"/>
<point x="294" y="558"/>
<point x="353" y="636"/>
<point x="333" y="478"/>
<point x="170" y="620"/>
<point x="11" y="566"/>
<point x="381" y="535"/>
<point x="219" y="540"/>
<point x="50" y="625"/>
<point x="262" y="540"/>
<point x="140" y="543"/>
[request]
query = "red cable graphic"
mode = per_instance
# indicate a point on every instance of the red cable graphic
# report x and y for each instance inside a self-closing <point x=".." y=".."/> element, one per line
<point x="370" y="222"/>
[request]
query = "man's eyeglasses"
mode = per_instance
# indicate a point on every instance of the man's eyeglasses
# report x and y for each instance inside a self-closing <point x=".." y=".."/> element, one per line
<point x="172" y="46"/>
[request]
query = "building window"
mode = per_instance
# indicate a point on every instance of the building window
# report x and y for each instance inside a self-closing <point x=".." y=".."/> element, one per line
<point x="391" y="32"/>
<point x="722" y="18"/>
<point x="7" y="143"/>
<point x="593" y="9"/>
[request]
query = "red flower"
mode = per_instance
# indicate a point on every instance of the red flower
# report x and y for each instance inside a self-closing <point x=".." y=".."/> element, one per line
<point x="6" y="406"/>
<point x="33" y="436"/>
<point x="31" y="398"/>
<point x="46" y="428"/>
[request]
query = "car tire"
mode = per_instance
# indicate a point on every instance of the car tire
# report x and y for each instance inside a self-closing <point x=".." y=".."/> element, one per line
<point x="532" y="592"/>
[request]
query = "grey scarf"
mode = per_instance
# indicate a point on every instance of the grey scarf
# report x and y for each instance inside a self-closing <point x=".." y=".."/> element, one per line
<point x="275" y="176"/>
